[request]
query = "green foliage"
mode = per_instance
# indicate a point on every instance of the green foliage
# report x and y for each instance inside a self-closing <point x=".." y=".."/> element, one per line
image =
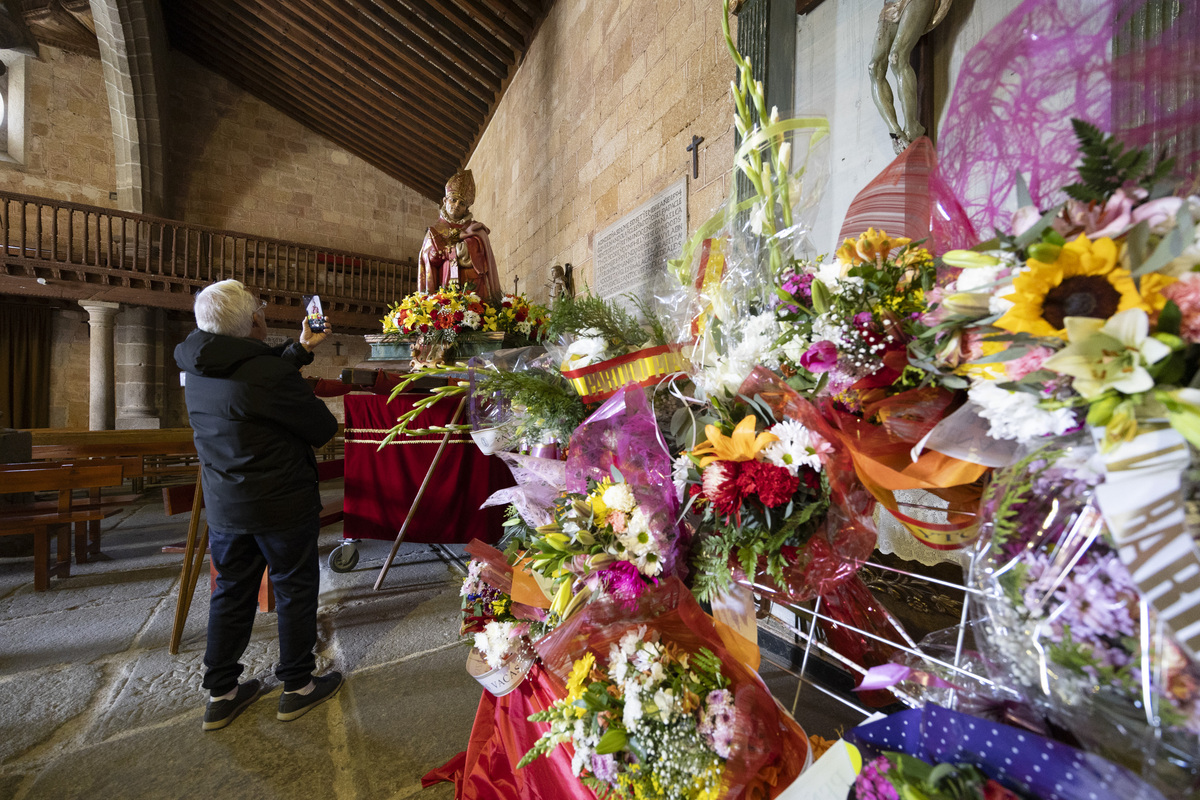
<point x="551" y="406"/>
<point x="574" y="315"/>
<point x="1107" y="165"/>
<point x="649" y="311"/>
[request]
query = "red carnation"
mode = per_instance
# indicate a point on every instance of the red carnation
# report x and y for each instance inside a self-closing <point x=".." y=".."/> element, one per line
<point x="458" y="316"/>
<point x="521" y="314"/>
<point x="721" y="487"/>
<point x="773" y="485"/>
<point x="811" y="478"/>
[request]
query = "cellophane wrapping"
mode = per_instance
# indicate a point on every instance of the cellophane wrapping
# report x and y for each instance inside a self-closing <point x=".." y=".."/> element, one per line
<point x="622" y="434"/>
<point x="1066" y="626"/>
<point x="1015" y="757"/>
<point x="770" y="749"/>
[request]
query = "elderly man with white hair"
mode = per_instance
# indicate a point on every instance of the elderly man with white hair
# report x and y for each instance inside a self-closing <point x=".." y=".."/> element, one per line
<point x="255" y="422"/>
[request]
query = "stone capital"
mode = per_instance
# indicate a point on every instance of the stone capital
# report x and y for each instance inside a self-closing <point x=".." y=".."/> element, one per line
<point x="100" y="312"/>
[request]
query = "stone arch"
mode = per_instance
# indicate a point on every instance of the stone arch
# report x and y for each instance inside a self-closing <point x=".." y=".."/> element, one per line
<point x="133" y="50"/>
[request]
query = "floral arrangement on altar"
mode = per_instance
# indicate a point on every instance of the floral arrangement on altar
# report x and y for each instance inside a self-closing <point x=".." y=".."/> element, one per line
<point x="453" y="310"/>
<point x="653" y="722"/>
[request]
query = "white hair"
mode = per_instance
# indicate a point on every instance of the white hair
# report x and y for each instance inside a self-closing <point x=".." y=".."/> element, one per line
<point x="225" y="308"/>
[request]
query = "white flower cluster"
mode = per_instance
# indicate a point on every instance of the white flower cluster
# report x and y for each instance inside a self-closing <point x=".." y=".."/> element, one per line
<point x="494" y="641"/>
<point x="525" y="328"/>
<point x="797" y="447"/>
<point x="472" y="582"/>
<point x="637" y="543"/>
<point x="758" y="344"/>
<point x="471" y="319"/>
<point x="1016" y="415"/>
<point x="637" y="666"/>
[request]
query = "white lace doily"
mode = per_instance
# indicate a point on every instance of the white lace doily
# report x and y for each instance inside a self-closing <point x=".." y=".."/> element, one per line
<point x="895" y="539"/>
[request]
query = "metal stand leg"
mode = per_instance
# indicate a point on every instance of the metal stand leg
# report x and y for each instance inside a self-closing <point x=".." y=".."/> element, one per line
<point x="412" y="511"/>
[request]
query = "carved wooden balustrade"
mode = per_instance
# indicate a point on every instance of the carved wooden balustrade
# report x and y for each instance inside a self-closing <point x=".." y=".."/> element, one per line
<point x="51" y="248"/>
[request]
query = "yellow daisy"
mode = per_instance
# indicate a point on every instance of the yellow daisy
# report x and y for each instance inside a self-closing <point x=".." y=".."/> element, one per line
<point x="1084" y="281"/>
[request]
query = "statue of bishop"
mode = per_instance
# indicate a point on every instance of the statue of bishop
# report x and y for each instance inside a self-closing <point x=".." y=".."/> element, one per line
<point x="456" y="247"/>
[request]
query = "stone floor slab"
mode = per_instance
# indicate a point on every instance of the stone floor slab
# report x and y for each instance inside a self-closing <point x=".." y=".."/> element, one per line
<point x="418" y="711"/>
<point x="78" y="636"/>
<point x="36" y="703"/>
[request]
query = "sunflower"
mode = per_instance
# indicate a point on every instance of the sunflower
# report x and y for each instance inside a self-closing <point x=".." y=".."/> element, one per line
<point x="1084" y="281"/>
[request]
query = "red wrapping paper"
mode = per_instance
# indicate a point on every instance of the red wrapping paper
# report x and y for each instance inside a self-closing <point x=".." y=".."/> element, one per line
<point x="381" y="484"/>
<point x="501" y="735"/>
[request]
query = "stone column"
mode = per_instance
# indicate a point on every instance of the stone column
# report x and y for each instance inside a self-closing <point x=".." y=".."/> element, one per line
<point x="101" y="403"/>
<point x="136" y="370"/>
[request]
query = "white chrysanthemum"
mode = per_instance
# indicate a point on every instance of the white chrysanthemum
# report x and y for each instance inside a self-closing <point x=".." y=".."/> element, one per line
<point x="525" y="328"/>
<point x="631" y="639"/>
<point x="978" y="279"/>
<point x="797" y="446"/>
<point x="494" y="641"/>
<point x="639" y="522"/>
<point x="1017" y="415"/>
<point x="471" y="319"/>
<point x="619" y="498"/>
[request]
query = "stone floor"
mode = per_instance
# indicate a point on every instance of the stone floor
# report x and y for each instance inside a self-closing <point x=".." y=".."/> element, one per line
<point x="95" y="707"/>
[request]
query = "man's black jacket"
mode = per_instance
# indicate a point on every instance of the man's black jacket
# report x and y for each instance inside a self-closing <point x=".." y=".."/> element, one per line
<point x="255" y="422"/>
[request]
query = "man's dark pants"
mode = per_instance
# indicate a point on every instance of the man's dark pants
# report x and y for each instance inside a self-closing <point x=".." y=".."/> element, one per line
<point x="295" y="574"/>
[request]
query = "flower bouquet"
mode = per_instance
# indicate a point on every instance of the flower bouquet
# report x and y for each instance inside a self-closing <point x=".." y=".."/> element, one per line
<point x="1090" y="310"/>
<point x="654" y="721"/>
<point x="1067" y="626"/>
<point x="516" y="316"/>
<point x="436" y="319"/>
<point x="656" y="707"/>
<point x="848" y="326"/>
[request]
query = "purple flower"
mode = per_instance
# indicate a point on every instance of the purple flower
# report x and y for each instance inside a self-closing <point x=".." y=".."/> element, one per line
<point x="605" y="767"/>
<point x="872" y="783"/>
<point x="624" y="582"/>
<point x="821" y="357"/>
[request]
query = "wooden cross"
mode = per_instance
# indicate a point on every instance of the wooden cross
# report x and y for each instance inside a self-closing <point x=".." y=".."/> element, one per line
<point x="694" y="149"/>
<point x="516" y="280"/>
<point x="337" y="348"/>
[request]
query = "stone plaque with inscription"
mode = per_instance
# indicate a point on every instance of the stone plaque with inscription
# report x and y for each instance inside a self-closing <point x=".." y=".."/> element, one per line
<point x="631" y="253"/>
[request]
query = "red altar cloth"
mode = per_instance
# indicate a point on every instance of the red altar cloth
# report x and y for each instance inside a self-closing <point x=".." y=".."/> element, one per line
<point x="501" y="735"/>
<point x="381" y="485"/>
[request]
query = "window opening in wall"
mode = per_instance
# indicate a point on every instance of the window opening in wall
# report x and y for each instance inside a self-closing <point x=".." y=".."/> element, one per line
<point x="12" y="106"/>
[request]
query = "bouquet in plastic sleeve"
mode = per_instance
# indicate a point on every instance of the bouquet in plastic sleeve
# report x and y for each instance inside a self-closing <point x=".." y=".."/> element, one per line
<point x="1068" y="627"/>
<point x="517" y="316"/>
<point x="661" y="708"/>
<point x="939" y="754"/>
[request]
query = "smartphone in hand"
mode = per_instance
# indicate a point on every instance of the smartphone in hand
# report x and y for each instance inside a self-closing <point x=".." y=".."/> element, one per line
<point x="314" y="313"/>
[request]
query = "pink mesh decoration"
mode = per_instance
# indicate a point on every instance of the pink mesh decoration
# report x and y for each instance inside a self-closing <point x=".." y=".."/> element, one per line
<point x="1156" y="82"/>
<point x="1012" y="105"/>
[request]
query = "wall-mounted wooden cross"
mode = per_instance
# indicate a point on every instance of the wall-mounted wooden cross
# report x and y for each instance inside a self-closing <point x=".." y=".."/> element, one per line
<point x="694" y="149"/>
<point x="516" y="281"/>
<point x="337" y="348"/>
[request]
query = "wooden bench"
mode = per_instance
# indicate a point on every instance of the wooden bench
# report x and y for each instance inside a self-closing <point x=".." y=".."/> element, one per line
<point x="165" y="454"/>
<point x="182" y="499"/>
<point x="87" y="534"/>
<point x="64" y="480"/>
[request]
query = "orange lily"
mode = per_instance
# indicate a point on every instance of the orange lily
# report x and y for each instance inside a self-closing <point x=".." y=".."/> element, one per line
<point x="742" y="445"/>
<point x="872" y="246"/>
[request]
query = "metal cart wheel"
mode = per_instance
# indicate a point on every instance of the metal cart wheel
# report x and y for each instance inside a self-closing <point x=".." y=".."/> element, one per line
<point x="344" y="557"/>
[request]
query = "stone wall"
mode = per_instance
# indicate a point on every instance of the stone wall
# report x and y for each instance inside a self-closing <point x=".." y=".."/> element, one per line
<point x="239" y="164"/>
<point x="69" y="376"/>
<point x="68" y="135"/>
<point x="595" y="122"/>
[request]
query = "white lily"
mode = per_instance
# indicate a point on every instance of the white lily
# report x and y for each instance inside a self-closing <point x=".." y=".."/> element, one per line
<point x="1109" y="354"/>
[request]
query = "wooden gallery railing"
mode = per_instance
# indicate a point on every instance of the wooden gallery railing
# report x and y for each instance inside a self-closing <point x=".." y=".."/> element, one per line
<point x="90" y="245"/>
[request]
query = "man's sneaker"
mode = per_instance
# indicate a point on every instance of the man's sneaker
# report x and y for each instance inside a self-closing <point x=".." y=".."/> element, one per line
<point x="220" y="713"/>
<point x="293" y="705"/>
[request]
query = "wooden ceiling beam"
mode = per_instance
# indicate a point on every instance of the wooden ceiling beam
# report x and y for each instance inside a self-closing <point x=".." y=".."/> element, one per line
<point x="463" y="51"/>
<point x="451" y="42"/>
<point x="366" y="140"/>
<point x="449" y="17"/>
<point x="279" y="18"/>
<point x="420" y="59"/>
<point x="501" y="14"/>
<point x="398" y="106"/>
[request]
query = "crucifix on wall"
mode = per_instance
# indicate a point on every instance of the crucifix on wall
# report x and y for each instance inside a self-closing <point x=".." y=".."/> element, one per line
<point x="694" y="148"/>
